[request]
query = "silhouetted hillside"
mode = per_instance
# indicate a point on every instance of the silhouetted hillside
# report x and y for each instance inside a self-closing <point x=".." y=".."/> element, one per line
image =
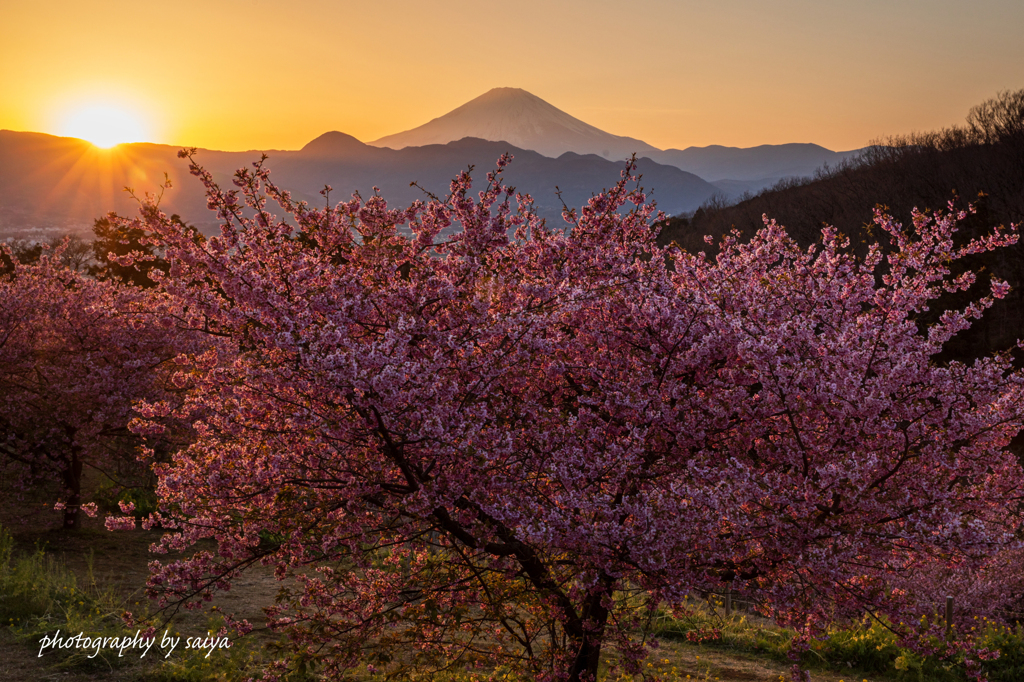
<point x="54" y="185"/>
<point x="737" y="171"/>
<point x="361" y="167"/>
<point x="979" y="163"/>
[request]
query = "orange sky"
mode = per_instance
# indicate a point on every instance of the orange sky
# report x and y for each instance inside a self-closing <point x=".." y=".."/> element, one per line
<point x="273" y="74"/>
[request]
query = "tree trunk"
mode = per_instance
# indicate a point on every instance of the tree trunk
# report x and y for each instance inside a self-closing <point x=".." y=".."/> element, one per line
<point x="595" y="618"/>
<point x="73" y="489"/>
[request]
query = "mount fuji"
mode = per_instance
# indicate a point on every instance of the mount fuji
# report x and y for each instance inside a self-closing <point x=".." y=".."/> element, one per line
<point x="522" y="119"/>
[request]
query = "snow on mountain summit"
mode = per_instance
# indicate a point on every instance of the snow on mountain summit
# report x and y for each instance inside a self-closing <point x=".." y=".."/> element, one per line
<point x="522" y="119"/>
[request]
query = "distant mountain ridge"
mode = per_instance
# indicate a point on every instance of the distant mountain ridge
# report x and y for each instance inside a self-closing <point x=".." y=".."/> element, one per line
<point x="716" y="162"/>
<point x="526" y="121"/>
<point x="52" y="185"/>
<point x="753" y="163"/>
<point x="739" y="171"/>
<point x="352" y="164"/>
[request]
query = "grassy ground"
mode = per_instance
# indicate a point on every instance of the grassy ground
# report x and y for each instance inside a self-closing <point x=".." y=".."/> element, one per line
<point x="84" y="579"/>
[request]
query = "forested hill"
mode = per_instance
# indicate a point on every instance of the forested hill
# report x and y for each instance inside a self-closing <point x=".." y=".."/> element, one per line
<point x="980" y="163"/>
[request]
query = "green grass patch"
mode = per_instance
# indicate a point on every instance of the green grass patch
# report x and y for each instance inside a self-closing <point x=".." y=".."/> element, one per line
<point x="40" y="597"/>
<point x="860" y="649"/>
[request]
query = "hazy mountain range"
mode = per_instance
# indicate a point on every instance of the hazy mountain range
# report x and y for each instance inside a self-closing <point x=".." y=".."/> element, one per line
<point x="528" y="122"/>
<point x="51" y="185"/>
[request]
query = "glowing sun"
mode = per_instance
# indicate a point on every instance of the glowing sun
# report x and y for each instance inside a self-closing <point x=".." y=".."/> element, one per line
<point x="104" y="126"/>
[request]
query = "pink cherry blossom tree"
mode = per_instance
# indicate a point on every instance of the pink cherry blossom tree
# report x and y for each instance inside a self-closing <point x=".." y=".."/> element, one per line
<point x="467" y="434"/>
<point x="75" y="354"/>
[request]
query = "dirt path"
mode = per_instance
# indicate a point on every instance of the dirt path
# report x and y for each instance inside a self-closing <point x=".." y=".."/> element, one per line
<point x="709" y="664"/>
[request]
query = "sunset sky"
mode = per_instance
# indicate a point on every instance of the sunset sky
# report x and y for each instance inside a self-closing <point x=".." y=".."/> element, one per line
<point x="271" y="74"/>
